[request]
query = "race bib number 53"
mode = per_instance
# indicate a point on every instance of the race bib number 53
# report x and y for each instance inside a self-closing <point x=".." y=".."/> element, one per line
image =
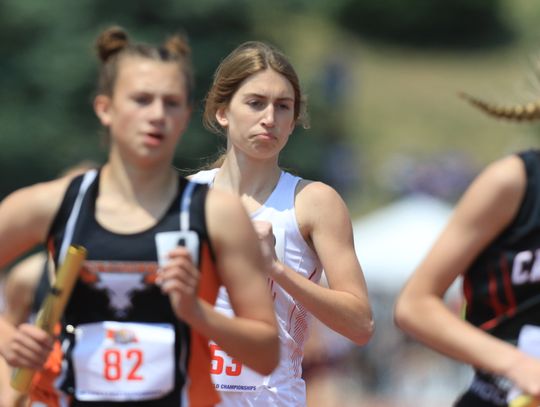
<point x="229" y="374"/>
<point x="115" y="361"/>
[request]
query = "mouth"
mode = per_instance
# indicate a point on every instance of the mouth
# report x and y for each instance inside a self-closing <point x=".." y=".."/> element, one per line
<point x="155" y="135"/>
<point x="267" y="136"/>
<point x="153" y="138"/>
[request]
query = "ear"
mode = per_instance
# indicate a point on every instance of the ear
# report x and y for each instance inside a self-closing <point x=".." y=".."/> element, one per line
<point x="102" y="107"/>
<point x="221" y="117"/>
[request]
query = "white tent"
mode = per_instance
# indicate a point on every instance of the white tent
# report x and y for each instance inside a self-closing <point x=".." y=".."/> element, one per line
<point x="391" y="241"/>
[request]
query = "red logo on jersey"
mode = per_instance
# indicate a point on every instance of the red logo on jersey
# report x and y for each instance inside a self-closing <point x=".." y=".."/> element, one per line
<point x="121" y="336"/>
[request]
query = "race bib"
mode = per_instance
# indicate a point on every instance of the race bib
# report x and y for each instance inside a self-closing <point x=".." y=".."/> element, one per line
<point x="119" y="361"/>
<point x="229" y="374"/>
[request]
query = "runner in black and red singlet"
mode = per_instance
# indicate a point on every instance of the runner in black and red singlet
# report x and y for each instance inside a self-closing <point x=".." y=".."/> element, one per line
<point x="493" y="241"/>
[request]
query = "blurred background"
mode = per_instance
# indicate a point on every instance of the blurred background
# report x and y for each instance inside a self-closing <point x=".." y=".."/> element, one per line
<point x="387" y="130"/>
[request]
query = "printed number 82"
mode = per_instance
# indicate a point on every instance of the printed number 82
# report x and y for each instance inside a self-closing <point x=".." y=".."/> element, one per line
<point x="234" y="368"/>
<point x="112" y="364"/>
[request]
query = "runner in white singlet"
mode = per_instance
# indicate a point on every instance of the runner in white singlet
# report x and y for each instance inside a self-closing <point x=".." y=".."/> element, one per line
<point x="255" y="101"/>
<point x="293" y="319"/>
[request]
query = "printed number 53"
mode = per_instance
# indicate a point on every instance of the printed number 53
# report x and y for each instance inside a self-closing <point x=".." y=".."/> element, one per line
<point x="223" y="362"/>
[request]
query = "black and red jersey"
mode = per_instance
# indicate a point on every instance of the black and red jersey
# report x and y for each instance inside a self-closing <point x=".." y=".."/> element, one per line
<point x="502" y="286"/>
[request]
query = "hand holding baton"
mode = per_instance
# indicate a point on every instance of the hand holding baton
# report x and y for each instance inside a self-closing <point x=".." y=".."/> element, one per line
<point x="53" y="307"/>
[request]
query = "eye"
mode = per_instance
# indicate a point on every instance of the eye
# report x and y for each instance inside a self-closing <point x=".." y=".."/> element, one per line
<point x="255" y="103"/>
<point x="173" y="103"/>
<point x="284" y="106"/>
<point x="143" y="99"/>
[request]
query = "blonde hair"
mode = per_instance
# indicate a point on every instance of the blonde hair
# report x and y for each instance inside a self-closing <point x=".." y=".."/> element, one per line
<point x="519" y="112"/>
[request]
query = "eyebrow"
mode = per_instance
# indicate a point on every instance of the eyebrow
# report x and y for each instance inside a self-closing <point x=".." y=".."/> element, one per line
<point x="285" y="98"/>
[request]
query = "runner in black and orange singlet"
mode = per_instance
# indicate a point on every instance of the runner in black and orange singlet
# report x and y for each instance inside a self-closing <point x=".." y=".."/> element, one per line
<point x="136" y="328"/>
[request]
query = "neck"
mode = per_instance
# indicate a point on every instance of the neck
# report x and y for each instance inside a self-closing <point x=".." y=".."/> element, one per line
<point x="254" y="179"/>
<point x="135" y="184"/>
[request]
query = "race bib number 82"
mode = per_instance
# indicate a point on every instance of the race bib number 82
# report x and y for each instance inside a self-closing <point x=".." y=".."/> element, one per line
<point x="115" y="361"/>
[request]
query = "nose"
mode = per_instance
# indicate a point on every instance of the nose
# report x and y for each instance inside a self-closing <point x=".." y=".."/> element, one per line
<point x="158" y="110"/>
<point x="268" y="119"/>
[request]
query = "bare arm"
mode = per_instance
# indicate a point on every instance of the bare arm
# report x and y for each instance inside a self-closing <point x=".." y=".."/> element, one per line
<point x="19" y="290"/>
<point x="20" y="287"/>
<point x="251" y="335"/>
<point x="25" y="218"/>
<point x="489" y="205"/>
<point x="344" y="305"/>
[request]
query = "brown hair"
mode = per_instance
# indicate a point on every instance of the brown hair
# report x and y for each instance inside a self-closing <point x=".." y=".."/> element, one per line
<point x="527" y="112"/>
<point x="113" y="44"/>
<point x="248" y="59"/>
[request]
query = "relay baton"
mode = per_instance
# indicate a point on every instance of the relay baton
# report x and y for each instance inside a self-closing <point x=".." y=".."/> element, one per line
<point x="53" y="307"/>
<point x="524" y="401"/>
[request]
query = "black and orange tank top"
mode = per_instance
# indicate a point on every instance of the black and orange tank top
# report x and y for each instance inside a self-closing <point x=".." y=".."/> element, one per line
<point x="121" y="341"/>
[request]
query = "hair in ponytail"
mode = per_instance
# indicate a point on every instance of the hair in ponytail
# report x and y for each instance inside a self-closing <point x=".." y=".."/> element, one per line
<point x="526" y="112"/>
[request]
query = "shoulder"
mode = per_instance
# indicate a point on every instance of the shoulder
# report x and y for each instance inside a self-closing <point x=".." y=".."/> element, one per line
<point x="318" y="206"/>
<point x="41" y="199"/>
<point x="317" y="195"/>
<point x="494" y="197"/>
<point x="505" y="176"/>
<point x="26" y="216"/>
<point x="223" y="206"/>
<point x="226" y="218"/>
